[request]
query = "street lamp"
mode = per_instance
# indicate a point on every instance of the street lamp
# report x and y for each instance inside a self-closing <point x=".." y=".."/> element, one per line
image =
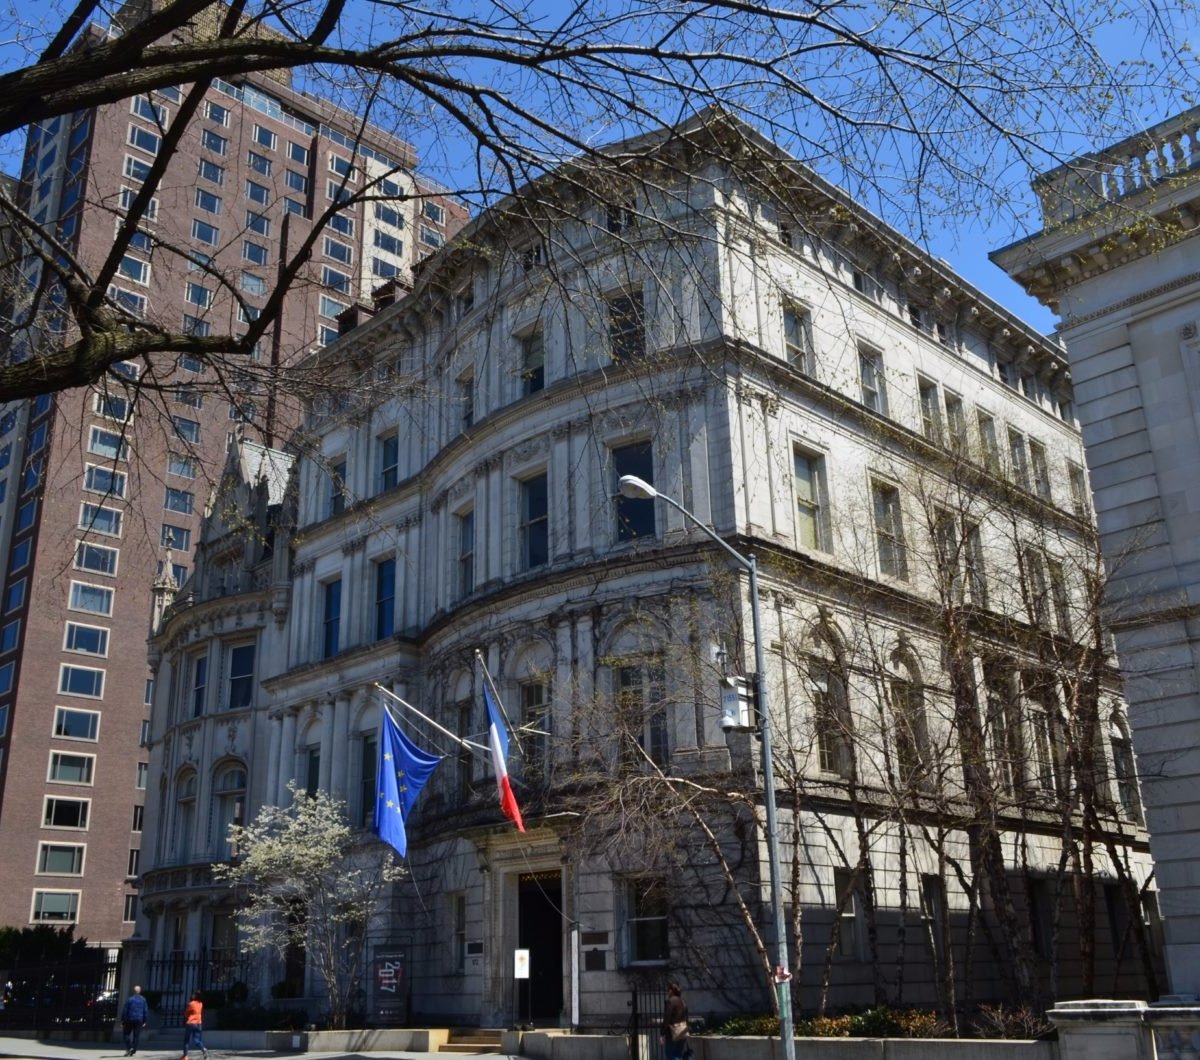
<point x="638" y="489"/>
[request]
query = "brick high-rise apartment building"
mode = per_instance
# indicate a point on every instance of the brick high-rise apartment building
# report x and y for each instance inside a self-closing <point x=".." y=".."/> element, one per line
<point x="96" y="485"/>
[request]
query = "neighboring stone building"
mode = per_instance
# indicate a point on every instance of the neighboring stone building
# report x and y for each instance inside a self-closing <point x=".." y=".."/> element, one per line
<point x="96" y="482"/>
<point x="898" y="452"/>
<point x="1119" y="260"/>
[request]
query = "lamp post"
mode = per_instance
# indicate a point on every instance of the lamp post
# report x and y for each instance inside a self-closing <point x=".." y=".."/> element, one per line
<point x="637" y="489"/>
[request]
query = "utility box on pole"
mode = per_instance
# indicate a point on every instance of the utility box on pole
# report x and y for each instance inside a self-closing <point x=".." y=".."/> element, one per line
<point x="737" y="704"/>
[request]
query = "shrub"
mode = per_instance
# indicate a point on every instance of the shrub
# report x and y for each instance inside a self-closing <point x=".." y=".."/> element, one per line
<point x="1001" y="1021"/>
<point x="737" y="1026"/>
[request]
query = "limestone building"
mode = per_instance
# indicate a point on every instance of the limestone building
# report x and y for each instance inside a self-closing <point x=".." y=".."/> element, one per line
<point x="897" y="451"/>
<point x="1117" y="259"/>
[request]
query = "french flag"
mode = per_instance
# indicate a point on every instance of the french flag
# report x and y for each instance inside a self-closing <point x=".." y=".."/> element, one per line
<point x="498" y="741"/>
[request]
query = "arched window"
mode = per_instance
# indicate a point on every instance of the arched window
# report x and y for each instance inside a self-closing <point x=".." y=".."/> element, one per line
<point x="1124" y="771"/>
<point x="906" y="701"/>
<point x="229" y="801"/>
<point x="185" y="815"/>
<point x="832" y="723"/>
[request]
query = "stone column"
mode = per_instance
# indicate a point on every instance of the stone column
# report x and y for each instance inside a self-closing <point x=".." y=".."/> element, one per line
<point x="341" y="734"/>
<point x="287" y="756"/>
<point x="327" y="709"/>
<point x="274" y="741"/>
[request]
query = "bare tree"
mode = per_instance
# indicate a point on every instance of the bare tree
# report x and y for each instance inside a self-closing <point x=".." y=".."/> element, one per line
<point x="921" y="111"/>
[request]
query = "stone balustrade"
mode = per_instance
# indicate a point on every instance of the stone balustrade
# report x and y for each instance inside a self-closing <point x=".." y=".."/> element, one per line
<point x="1150" y="159"/>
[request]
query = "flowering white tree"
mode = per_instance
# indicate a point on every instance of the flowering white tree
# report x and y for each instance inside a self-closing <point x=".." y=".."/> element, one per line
<point x="305" y="880"/>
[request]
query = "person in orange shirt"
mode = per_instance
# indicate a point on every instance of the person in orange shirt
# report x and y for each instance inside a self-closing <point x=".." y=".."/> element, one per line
<point x="193" y="1025"/>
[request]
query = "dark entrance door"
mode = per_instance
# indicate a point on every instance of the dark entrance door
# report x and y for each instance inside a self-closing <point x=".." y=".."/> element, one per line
<point x="539" y="909"/>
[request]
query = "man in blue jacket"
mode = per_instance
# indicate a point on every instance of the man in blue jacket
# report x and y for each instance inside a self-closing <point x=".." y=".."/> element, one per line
<point x="133" y="1019"/>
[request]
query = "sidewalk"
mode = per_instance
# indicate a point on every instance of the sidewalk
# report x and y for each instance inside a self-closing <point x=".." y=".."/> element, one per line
<point x="28" y="1049"/>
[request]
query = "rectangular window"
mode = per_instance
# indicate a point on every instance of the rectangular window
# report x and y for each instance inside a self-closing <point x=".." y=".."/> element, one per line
<point x="335" y="191"/>
<point x="337" y="488"/>
<point x="183" y="466"/>
<point x="72" y="724"/>
<point x="97" y="519"/>
<point x="187" y="394"/>
<point x="641" y="715"/>
<point x="331" y="618"/>
<point x="19" y="554"/>
<point x="331" y="307"/>
<point x="86" y="640"/>
<point x="535" y="522"/>
<point x="14" y="595"/>
<point x="389" y="244"/>
<point x="97" y="479"/>
<point x="334" y="280"/>
<point x="849" y="915"/>
<point x="176" y="500"/>
<point x="989" y="445"/>
<point x="296" y="181"/>
<point x="188" y="430"/>
<point x="384" y="270"/>
<point x="388" y="216"/>
<point x="809" y="485"/>
<point x="466" y="553"/>
<point x="134" y="269"/>
<point x="213" y="141"/>
<point x="144" y="140"/>
<point x="208" y="201"/>
<point x="216" y="113"/>
<point x="870" y="377"/>
<point x="136" y="169"/>
<point x="797" y="337"/>
<point x="434" y="212"/>
<point x="94" y="599"/>
<point x="291" y="205"/>
<point x="297" y="153"/>
<point x="627" y="326"/>
<point x="113" y="407"/>
<point x="10" y="637"/>
<point x="1059" y="597"/>
<point x="65" y="813"/>
<point x="342" y="223"/>
<point x="199" y="295"/>
<point x="533" y="363"/>
<point x="71" y="768"/>
<point x="199" y="684"/>
<point x="635" y="515"/>
<point x="343" y="168"/>
<point x="1041" y="471"/>
<point x="430" y="238"/>
<point x="388" y="450"/>
<point x="889" y="531"/>
<point x="1077" y="480"/>
<point x="176" y="537"/>
<point x="81" y="681"/>
<point x="55" y="907"/>
<point x="258" y="193"/>
<point x="258" y="223"/>
<point x="252" y="284"/>
<point x="139" y="818"/>
<point x="1020" y="458"/>
<point x="338" y="251"/>
<point x="212" y="172"/>
<point x="931" y="410"/>
<point x="258" y="163"/>
<point x="264" y="137"/>
<point x="956" y="422"/>
<point x="135" y="856"/>
<point x="385" y="598"/>
<point x="60" y="859"/>
<point x="255" y="253"/>
<point x="466" y="400"/>
<point x="646" y="921"/>
<point x="241" y="676"/>
<point x="143" y="770"/>
<point x="127" y="197"/>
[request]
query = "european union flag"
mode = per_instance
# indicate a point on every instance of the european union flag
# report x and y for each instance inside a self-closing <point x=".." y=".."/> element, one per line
<point x="402" y="771"/>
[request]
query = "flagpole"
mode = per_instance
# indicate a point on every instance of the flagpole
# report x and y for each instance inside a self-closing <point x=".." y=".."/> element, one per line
<point x="498" y="701"/>
<point x="440" y="728"/>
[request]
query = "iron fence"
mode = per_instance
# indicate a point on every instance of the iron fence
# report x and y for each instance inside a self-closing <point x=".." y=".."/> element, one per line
<point x="648" y="998"/>
<point x="220" y="978"/>
<point x="78" y="992"/>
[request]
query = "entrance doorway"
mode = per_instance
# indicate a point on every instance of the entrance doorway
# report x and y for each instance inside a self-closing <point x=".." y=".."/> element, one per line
<point x="539" y="930"/>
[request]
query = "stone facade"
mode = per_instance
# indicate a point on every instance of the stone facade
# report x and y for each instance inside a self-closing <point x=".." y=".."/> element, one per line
<point x="1118" y="260"/>
<point x="896" y="450"/>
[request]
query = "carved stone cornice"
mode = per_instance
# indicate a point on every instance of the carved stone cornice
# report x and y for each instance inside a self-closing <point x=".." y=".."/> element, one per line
<point x="357" y="545"/>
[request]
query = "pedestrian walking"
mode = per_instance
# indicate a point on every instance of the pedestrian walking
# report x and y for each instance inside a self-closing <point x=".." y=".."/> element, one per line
<point x="193" y="1026"/>
<point x="675" y="1025"/>
<point x="133" y="1019"/>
